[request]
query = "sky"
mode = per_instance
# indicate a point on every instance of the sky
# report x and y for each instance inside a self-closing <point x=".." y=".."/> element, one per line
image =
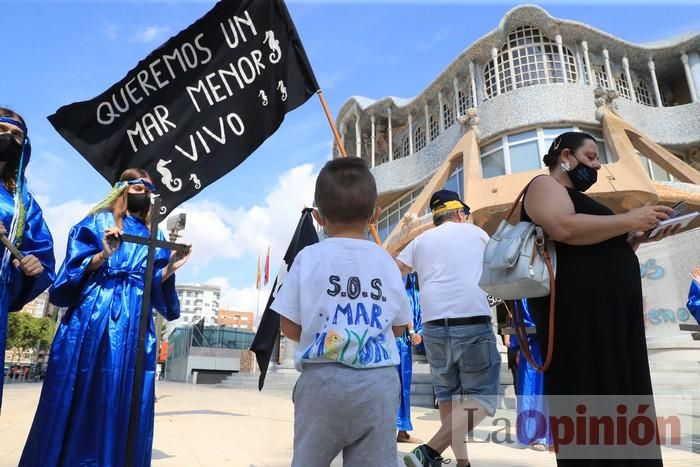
<point x="58" y="52"/>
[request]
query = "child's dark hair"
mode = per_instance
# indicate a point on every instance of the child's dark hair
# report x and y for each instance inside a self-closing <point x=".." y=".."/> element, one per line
<point x="346" y="191"/>
<point x="571" y="140"/>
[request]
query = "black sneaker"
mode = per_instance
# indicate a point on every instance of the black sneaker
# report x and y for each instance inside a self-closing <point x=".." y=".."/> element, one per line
<point x="419" y="457"/>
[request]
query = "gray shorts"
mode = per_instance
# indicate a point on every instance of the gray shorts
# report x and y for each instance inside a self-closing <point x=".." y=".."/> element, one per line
<point x="464" y="361"/>
<point x="342" y="409"/>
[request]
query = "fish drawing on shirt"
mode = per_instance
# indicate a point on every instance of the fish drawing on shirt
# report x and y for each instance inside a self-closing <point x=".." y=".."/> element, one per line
<point x="333" y="345"/>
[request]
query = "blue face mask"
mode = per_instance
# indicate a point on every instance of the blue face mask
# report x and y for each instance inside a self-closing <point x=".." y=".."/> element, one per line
<point x="582" y="176"/>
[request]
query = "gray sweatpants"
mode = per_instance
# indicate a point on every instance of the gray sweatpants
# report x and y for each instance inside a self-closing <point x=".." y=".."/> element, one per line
<point x="338" y="408"/>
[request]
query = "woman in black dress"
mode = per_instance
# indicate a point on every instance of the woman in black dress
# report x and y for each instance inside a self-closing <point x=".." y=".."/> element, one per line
<point x="599" y="341"/>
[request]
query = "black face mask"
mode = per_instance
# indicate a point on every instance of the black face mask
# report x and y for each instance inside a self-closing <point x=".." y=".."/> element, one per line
<point x="137" y="202"/>
<point x="10" y="149"/>
<point x="582" y="176"/>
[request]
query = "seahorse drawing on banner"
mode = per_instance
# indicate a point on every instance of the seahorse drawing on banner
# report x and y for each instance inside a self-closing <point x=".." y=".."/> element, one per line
<point x="197" y="182"/>
<point x="167" y="176"/>
<point x="274" y="45"/>
<point x="282" y="89"/>
<point x="263" y="96"/>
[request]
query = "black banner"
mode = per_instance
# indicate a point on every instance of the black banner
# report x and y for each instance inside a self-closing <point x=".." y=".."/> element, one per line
<point x="268" y="332"/>
<point x="200" y="104"/>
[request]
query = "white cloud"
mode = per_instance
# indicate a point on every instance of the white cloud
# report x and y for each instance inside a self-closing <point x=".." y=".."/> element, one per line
<point x="150" y="34"/>
<point x="218" y="231"/>
<point x="245" y="299"/>
<point x="60" y="218"/>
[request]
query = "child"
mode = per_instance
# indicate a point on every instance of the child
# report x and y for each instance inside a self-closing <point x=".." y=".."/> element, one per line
<point x="344" y="302"/>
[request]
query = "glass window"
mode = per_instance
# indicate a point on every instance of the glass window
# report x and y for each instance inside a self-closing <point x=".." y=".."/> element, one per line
<point x="551" y="133"/>
<point x="524" y="156"/>
<point x="419" y="136"/>
<point x="434" y="128"/>
<point x="491" y="147"/>
<point x="452" y="183"/>
<point x="465" y="102"/>
<point x="642" y="92"/>
<point x="532" y="134"/>
<point x="449" y="115"/>
<point x="601" y="77"/>
<point x="622" y="87"/>
<point x="529" y="58"/>
<point x="397" y="152"/>
<point x="493" y="164"/>
<point x="405" y="147"/>
<point x="657" y="173"/>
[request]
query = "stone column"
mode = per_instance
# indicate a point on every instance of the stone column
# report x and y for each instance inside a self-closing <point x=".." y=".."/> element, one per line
<point x="390" y="135"/>
<point x="472" y="82"/>
<point x="455" y="85"/>
<point x="410" y="133"/>
<point x="560" y="46"/>
<point x="694" y="64"/>
<point x="426" y="108"/>
<point x="587" y="61"/>
<point x="441" y="103"/>
<point x="358" y="136"/>
<point x="628" y="77"/>
<point x="494" y="56"/>
<point x="343" y="131"/>
<point x="373" y="120"/>
<point x="689" y="78"/>
<point x="608" y="70"/>
<point x="655" y="83"/>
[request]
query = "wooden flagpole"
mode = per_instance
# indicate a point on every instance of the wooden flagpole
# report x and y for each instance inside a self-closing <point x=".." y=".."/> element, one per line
<point x="338" y="141"/>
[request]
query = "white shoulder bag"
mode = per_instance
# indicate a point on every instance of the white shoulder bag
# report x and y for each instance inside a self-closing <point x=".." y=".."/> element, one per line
<point x="520" y="262"/>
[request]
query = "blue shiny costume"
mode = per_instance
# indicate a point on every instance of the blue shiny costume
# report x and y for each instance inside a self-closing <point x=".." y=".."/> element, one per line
<point x="16" y="289"/>
<point x="529" y="388"/>
<point x="693" y="304"/>
<point x="83" y="413"/>
<point x="403" y="418"/>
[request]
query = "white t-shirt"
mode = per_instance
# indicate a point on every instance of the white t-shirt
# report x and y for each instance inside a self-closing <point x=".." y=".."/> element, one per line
<point x="448" y="260"/>
<point x="346" y="294"/>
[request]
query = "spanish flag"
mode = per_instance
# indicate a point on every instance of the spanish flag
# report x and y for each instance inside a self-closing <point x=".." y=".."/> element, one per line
<point x="267" y="267"/>
<point x="257" y="276"/>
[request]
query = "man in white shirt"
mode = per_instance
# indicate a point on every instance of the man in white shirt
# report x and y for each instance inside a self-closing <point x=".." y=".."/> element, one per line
<point x="457" y="332"/>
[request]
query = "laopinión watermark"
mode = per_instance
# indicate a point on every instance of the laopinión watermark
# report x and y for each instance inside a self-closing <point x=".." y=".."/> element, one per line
<point x="585" y="426"/>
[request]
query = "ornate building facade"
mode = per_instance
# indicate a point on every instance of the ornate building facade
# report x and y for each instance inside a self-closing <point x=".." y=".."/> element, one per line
<point x="482" y="126"/>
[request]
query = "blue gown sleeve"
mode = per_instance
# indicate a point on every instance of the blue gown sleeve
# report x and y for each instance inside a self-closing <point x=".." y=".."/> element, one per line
<point x="693" y="304"/>
<point x="37" y="241"/>
<point x="84" y="242"/>
<point x="163" y="294"/>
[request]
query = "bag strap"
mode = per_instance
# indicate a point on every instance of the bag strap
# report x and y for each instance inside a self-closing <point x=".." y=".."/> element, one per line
<point x="520" y="196"/>
<point x="519" y="325"/>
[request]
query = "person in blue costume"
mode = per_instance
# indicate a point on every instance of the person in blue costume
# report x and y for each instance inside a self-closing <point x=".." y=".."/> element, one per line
<point x="22" y="222"/>
<point x="83" y="413"/>
<point x="412" y="336"/>
<point x="693" y="304"/>
<point x="529" y="389"/>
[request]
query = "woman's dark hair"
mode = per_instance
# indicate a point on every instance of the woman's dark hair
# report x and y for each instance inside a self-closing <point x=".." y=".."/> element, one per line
<point x="571" y="140"/>
<point x="9" y="174"/>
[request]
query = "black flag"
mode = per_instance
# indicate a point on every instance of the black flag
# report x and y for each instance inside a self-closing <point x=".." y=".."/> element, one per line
<point x="268" y="330"/>
<point x="200" y="104"/>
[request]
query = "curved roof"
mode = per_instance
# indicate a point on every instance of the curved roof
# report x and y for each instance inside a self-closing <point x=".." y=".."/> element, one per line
<point x="532" y="15"/>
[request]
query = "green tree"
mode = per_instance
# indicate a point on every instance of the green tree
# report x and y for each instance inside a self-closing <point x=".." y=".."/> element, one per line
<point x="25" y="332"/>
